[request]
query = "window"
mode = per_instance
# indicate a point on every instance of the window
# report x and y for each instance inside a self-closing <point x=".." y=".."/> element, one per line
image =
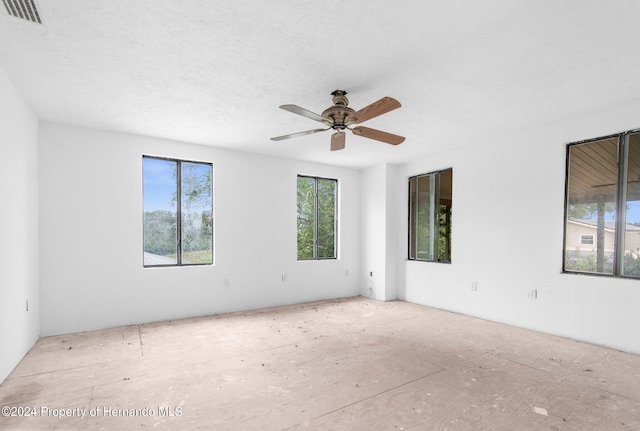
<point x="317" y="224"/>
<point x="178" y="212"/>
<point x="586" y="239"/>
<point x="602" y="206"/>
<point x="430" y="199"/>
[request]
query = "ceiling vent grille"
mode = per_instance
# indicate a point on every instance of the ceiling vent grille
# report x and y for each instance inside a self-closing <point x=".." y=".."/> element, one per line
<point x="24" y="9"/>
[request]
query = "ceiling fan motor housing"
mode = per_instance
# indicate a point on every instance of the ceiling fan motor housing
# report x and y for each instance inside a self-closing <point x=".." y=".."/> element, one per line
<point x="337" y="115"/>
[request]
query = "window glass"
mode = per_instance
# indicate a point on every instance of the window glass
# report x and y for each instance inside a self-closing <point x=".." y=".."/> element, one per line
<point x="445" y="200"/>
<point x="197" y="213"/>
<point x="631" y="262"/>
<point x="430" y="200"/>
<point x="591" y="206"/>
<point x="326" y="209"/>
<point x="160" y="213"/>
<point x="306" y="217"/>
<point x="424" y="216"/>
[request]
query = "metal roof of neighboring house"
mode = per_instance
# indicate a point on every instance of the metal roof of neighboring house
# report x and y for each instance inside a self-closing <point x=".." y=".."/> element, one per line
<point x="608" y="224"/>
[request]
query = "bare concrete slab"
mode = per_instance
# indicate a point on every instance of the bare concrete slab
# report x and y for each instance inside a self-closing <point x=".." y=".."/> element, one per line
<point x="352" y="364"/>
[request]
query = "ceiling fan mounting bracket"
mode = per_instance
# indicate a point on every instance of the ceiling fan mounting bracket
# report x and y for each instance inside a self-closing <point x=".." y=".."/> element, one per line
<point x="339" y="97"/>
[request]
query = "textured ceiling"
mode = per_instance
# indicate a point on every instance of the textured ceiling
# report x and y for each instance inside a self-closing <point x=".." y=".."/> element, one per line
<point x="215" y="72"/>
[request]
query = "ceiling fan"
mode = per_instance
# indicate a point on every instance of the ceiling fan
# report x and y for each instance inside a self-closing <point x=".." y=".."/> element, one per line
<point x="340" y="117"/>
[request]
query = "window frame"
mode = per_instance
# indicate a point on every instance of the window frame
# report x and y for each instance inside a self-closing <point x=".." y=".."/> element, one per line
<point x="620" y="204"/>
<point x="179" y="221"/>
<point x="316" y="256"/>
<point x="435" y="217"/>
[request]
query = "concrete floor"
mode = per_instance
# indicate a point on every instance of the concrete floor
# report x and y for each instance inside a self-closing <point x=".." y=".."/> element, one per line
<point x="353" y="364"/>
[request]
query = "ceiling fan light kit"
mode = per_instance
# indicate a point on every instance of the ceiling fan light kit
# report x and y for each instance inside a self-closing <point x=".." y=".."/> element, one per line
<point x="340" y="117"/>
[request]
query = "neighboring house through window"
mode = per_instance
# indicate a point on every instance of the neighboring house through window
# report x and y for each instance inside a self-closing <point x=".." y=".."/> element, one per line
<point x="317" y="220"/>
<point x="430" y="202"/>
<point x="602" y="216"/>
<point x="178" y="212"/>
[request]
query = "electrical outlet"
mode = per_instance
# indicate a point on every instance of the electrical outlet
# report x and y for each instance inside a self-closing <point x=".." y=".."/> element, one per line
<point x="533" y="294"/>
<point x="284" y="278"/>
<point x="370" y="273"/>
<point x="227" y="283"/>
<point x="474" y="286"/>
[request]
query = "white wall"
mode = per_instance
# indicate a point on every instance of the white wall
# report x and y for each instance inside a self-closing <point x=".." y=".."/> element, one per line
<point x="379" y="199"/>
<point x="19" y="328"/>
<point x="373" y="228"/>
<point x="91" y="234"/>
<point x="507" y="229"/>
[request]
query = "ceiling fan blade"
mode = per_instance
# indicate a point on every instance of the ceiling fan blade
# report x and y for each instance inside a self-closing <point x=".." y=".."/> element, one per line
<point x="380" y="107"/>
<point x="337" y="141"/>
<point x="378" y="135"/>
<point x="295" y="135"/>
<point x="305" y="113"/>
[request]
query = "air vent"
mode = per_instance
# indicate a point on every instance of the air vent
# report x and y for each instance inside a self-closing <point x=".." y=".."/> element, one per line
<point x="24" y="9"/>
